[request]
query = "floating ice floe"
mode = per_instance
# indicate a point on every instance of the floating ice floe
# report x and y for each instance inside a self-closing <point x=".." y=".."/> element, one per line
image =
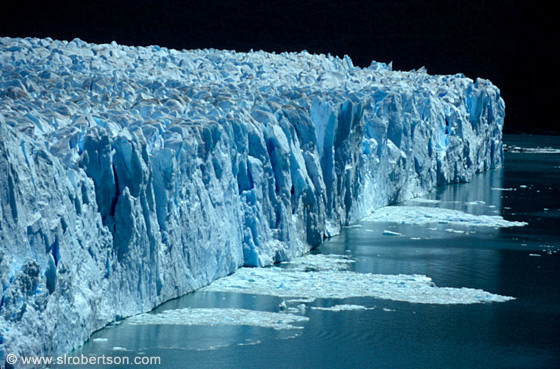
<point x="420" y="200"/>
<point x="428" y="215"/>
<point x="337" y="283"/>
<point x="549" y="249"/>
<point x="386" y="232"/>
<point x="343" y="307"/>
<point x="531" y="150"/>
<point x="477" y="203"/>
<point x="451" y="230"/>
<point x="319" y="262"/>
<point x="219" y="316"/>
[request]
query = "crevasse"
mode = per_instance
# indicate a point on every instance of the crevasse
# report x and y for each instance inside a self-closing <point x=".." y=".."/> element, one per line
<point x="133" y="175"/>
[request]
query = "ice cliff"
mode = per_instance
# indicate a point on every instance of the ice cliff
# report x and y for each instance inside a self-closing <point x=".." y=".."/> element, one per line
<point x="133" y="175"/>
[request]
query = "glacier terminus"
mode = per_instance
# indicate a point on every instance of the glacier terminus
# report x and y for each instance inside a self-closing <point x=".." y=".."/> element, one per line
<point x="133" y="175"/>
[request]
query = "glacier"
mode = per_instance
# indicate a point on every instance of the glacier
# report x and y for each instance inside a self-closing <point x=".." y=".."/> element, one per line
<point x="133" y="175"/>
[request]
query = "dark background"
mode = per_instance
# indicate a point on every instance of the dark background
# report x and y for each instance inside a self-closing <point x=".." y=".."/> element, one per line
<point x="509" y="42"/>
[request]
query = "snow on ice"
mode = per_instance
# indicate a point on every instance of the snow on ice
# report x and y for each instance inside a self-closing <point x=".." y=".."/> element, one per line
<point x="133" y="175"/>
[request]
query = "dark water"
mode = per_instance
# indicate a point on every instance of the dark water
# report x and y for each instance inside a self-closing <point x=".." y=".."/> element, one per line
<point x="523" y="262"/>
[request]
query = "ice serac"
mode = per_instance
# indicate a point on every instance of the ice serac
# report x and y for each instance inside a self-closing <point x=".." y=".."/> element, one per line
<point x="133" y="175"/>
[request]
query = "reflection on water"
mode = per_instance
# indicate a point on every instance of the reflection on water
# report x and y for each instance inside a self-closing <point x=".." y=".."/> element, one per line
<point x="516" y="261"/>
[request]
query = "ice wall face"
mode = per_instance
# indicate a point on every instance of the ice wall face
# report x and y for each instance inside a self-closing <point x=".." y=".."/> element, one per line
<point x="129" y="176"/>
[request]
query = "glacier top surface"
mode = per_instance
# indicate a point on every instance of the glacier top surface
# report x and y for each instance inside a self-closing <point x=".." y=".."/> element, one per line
<point x="54" y="81"/>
